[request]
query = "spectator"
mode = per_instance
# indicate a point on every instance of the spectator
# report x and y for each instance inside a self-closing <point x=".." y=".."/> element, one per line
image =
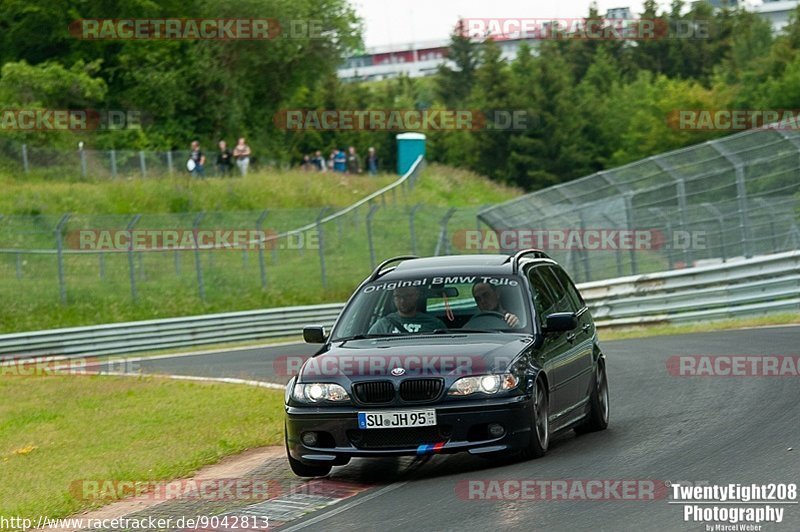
<point x="353" y="164"/>
<point x="331" y="160"/>
<point x="319" y="161"/>
<point x="372" y="161"/>
<point x="197" y="160"/>
<point x="242" y="155"/>
<point x="340" y="161"/>
<point x="224" y="159"/>
<point x="307" y="165"/>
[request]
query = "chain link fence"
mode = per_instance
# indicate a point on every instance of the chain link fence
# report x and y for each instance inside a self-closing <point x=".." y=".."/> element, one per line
<point x="286" y="256"/>
<point x="718" y="201"/>
<point x="24" y="159"/>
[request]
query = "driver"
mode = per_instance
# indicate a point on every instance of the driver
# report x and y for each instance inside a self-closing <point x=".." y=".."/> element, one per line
<point x="407" y="318"/>
<point x="488" y="300"/>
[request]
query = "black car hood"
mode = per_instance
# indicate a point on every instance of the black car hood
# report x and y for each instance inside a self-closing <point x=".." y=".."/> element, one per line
<point x="428" y="355"/>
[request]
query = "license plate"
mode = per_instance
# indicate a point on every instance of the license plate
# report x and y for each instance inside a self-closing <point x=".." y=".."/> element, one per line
<point x="401" y="418"/>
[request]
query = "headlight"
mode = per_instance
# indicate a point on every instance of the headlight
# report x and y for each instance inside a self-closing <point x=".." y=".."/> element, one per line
<point x="489" y="384"/>
<point x="317" y="392"/>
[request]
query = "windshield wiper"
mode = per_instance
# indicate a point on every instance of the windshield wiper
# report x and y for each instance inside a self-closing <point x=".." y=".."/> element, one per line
<point x="447" y="331"/>
<point x="365" y="336"/>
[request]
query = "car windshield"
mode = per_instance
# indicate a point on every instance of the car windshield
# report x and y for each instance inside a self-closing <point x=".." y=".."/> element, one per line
<point x="435" y="304"/>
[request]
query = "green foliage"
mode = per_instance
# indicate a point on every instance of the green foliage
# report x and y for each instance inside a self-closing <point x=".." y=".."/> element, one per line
<point x="589" y="103"/>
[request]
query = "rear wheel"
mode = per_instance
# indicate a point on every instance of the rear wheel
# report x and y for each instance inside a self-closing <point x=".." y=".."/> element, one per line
<point x="540" y="427"/>
<point x="598" y="403"/>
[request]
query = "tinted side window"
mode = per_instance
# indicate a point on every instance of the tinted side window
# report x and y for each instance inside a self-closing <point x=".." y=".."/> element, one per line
<point x="543" y="300"/>
<point x="572" y="292"/>
<point x="563" y="302"/>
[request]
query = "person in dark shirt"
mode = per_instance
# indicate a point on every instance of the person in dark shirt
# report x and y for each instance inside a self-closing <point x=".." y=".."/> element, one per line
<point x="224" y="159"/>
<point x="407" y="319"/>
<point x="372" y="161"/>
<point x="319" y="161"/>
<point x="353" y="164"/>
<point x="198" y="157"/>
<point x="488" y="300"/>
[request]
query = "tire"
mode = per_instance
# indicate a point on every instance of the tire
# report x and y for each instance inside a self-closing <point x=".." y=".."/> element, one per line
<point x="299" y="468"/>
<point x="540" y="426"/>
<point x="598" y="403"/>
<point x="303" y="470"/>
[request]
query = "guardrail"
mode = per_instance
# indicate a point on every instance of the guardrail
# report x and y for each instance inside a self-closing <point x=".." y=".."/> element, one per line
<point x="738" y="287"/>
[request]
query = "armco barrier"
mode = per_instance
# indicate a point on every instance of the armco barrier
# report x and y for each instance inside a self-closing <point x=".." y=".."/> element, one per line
<point x="739" y="287"/>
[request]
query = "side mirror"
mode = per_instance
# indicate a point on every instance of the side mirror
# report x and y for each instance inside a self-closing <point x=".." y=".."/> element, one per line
<point x="560" y="322"/>
<point x="314" y="334"/>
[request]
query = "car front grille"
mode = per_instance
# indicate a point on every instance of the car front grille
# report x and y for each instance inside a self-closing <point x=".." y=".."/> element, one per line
<point x="401" y="438"/>
<point x="420" y="389"/>
<point x="377" y="392"/>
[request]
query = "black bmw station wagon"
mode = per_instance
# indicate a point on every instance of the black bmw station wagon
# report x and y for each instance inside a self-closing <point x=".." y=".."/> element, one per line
<point x="485" y="354"/>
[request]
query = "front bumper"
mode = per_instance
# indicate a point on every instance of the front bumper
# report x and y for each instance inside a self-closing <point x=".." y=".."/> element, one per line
<point x="461" y="426"/>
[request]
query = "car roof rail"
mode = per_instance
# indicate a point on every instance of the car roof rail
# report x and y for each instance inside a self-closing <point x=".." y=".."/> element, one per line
<point x="376" y="273"/>
<point x="536" y="254"/>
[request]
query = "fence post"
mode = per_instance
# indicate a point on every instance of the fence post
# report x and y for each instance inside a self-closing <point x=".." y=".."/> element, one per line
<point x="372" y="210"/>
<point x="82" y="154"/>
<point x="25" y="166"/>
<point x="657" y="211"/>
<point x="177" y="260"/>
<point x="201" y="289"/>
<point x="442" y="243"/>
<point x="413" y="232"/>
<point x="741" y="195"/>
<point x="142" y="164"/>
<point x="683" y="210"/>
<point x="18" y="265"/>
<point x="169" y="162"/>
<point x="113" y="163"/>
<point x="721" y="222"/>
<point x="321" y="246"/>
<point x="62" y="287"/>
<point x="131" y="266"/>
<point x="587" y="272"/>
<point x="617" y="252"/>
<point x="629" y="218"/>
<point x="102" y="261"/>
<point x="261" y="266"/>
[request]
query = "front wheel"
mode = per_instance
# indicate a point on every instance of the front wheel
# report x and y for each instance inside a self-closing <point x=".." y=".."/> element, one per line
<point x="303" y="470"/>
<point x="299" y="468"/>
<point x="540" y="427"/>
<point x="598" y="403"/>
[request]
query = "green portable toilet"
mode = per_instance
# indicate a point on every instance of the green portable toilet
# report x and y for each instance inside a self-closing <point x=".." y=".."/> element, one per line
<point x="409" y="147"/>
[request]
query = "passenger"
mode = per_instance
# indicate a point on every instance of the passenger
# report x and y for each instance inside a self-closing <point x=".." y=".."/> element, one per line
<point x="407" y="318"/>
<point x="488" y="300"/>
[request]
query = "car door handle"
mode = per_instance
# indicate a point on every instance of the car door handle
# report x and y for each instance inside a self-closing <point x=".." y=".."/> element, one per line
<point x="571" y="337"/>
<point x="586" y="327"/>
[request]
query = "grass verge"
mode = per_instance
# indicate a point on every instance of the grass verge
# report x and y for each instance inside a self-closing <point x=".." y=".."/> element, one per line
<point x="56" y="430"/>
